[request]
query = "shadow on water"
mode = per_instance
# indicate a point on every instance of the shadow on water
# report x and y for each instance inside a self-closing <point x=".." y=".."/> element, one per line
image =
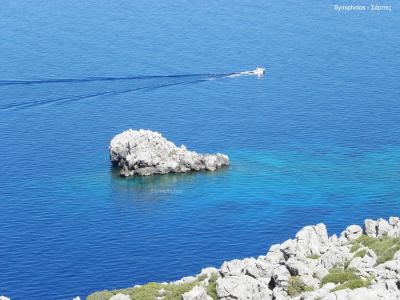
<point x="155" y="187"/>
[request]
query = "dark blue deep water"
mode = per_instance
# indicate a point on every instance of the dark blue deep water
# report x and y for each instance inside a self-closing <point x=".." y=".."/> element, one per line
<point x="315" y="140"/>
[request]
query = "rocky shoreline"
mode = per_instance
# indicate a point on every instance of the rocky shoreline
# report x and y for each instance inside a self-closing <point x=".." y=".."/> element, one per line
<point x="360" y="264"/>
<point x="145" y="152"/>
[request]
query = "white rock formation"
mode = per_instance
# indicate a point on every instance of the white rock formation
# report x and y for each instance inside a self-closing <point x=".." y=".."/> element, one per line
<point x="144" y="152"/>
<point x="303" y="262"/>
<point x="197" y="293"/>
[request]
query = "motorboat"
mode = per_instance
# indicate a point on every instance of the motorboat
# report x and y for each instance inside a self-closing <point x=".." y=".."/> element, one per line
<point x="259" y="72"/>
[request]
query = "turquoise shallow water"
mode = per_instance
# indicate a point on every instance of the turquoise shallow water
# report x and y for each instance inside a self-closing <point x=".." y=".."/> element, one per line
<point x="315" y="140"/>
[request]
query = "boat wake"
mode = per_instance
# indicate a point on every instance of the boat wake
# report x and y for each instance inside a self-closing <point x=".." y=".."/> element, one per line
<point x="162" y="81"/>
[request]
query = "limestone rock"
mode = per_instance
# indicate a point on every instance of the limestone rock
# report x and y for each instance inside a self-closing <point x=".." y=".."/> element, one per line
<point x="312" y="240"/>
<point x="242" y="287"/>
<point x="352" y="232"/>
<point x="144" y="152"/>
<point x="371" y="227"/>
<point x="383" y="227"/>
<point x="301" y="263"/>
<point x="197" y="293"/>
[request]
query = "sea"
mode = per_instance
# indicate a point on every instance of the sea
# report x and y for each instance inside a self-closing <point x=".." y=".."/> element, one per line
<point x="315" y="140"/>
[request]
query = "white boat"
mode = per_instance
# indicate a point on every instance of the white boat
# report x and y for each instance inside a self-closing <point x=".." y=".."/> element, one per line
<point x="259" y="72"/>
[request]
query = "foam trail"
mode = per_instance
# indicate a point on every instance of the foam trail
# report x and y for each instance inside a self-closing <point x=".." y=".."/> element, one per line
<point x="28" y="104"/>
<point x="197" y="78"/>
<point x="97" y="79"/>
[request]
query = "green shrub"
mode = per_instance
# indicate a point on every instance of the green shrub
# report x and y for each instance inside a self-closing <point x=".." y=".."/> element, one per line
<point x="351" y="284"/>
<point x="308" y="288"/>
<point x="339" y="275"/>
<point x="212" y="286"/>
<point x="347" y="279"/>
<point x="151" y="290"/>
<point x="102" y="295"/>
<point x="346" y="264"/>
<point x="360" y="253"/>
<point x="295" y="287"/>
<point x="355" y="247"/>
<point x="384" y="247"/>
<point x="314" y="256"/>
<point x="202" y="277"/>
<point x="175" y="292"/>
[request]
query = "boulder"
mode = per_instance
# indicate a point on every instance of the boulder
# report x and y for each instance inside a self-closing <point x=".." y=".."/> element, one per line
<point x="352" y="232"/>
<point x="144" y="152"/>
<point x="196" y="293"/>
<point x="371" y="227"/>
<point x="242" y="287"/>
<point x="383" y="227"/>
<point x="312" y="240"/>
<point x="280" y="276"/>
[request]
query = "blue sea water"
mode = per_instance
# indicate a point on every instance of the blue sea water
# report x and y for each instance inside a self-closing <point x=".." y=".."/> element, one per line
<point x="315" y="140"/>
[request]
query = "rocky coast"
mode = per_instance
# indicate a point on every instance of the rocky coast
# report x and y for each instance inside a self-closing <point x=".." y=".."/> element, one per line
<point x="361" y="263"/>
<point x="145" y="152"/>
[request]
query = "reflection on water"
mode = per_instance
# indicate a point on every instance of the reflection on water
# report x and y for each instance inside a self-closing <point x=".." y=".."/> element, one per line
<point x="153" y="187"/>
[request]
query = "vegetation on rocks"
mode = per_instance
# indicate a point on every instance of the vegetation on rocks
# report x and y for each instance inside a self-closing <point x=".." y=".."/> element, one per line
<point x="360" y="253"/>
<point x="346" y="278"/>
<point x="305" y="264"/>
<point x="340" y="275"/>
<point x="212" y="286"/>
<point x="149" y="291"/>
<point x="384" y="247"/>
<point x="296" y="286"/>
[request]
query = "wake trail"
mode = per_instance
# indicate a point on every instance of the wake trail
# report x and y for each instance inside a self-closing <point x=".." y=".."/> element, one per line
<point x="196" y="78"/>
<point x="97" y="79"/>
<point x="29" y="104"/>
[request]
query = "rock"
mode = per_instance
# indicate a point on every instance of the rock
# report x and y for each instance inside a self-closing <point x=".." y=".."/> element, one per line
<point x="120" y="296"/>
<point x="352" y="232"/>
<point x="312" y="240"/>
<point x="335" y="256"/>
<point x="365" y="262"/>
<point x="394" y="221"/>
<point x="371" y="227"/>
<point x="383" y="227"/>
<point x="209" y="271"/>
<point x="197" y="293"/>
<point x="275" y="255"/>
<point x="320" y="272"/>
<point x="289" y="248"/>
<point x="242" y="287"/>
<point x="76" y="298"/>
<point x="187" y="279"/>
<point x="300" y="264"/>
<point x="298" y="268"/>
<point x="280" y="276"/>
<point x="248" y="266"/>
<point x="144" y="152"/>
